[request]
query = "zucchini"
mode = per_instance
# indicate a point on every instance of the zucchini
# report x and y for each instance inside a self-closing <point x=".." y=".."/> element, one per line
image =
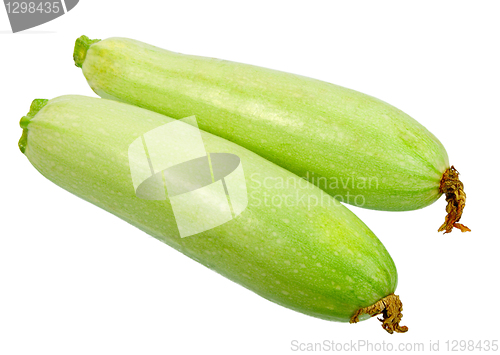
<point x="355" y="147"/>
<point x="314" y="258"/>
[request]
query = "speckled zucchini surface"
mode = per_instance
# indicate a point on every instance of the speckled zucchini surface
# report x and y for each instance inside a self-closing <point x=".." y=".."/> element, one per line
<point x="355" y="147"/>
<point x="314" y="258"/>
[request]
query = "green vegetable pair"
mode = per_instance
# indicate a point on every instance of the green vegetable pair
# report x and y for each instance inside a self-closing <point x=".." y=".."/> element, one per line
<point x="242" y="208"/>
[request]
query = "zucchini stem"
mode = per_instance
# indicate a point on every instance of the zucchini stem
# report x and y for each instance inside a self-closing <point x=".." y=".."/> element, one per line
<point x="82" y="45"/>
<point x="390" y="307"/>
<point x="35" y="107"/>
<point x="455" y="196"/>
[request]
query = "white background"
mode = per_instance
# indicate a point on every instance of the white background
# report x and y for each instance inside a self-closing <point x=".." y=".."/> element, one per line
<point x="77" y="280"/>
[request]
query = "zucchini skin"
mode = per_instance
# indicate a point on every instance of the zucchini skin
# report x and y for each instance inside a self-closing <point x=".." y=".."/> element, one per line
<point x="355" y="147"/>
<point x="320" y="260"/>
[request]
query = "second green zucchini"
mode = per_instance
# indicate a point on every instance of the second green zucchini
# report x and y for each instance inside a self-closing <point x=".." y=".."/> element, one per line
<point x="318" y="259"/>
<point x="355" y="147"/>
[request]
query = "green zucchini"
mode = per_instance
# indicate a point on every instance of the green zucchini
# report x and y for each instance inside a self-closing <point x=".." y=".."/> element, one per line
<point x="314" y="258"/>
<point x="355" y="147"/>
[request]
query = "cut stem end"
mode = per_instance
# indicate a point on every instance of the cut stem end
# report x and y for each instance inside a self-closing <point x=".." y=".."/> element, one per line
<point x="35" y="107"/>
<point x="453" y="188"/>
<point x="390" y="307"/>
<point x="82" y="45"/>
